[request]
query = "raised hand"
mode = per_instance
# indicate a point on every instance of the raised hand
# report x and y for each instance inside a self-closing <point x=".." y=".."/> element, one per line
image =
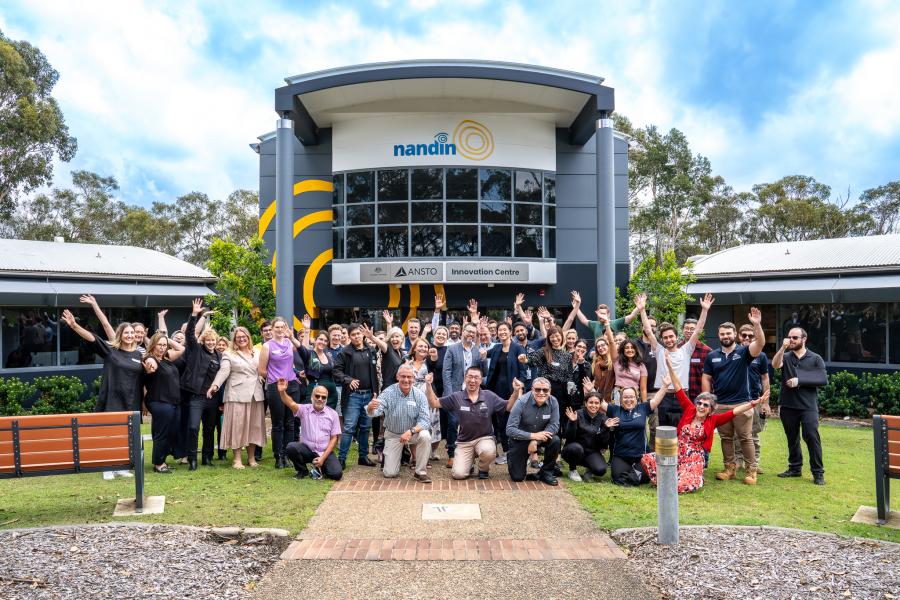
<point x="307" y="321"/>
<point x="612" y="422"/>
<point x="517" y="385"/>
<point x="520" y="299"/>
<point x="388" y="318"/>
<point x="208" y="312"/>
<point x="523" y="359"/>
<point x="576" y="299"/>
<point x="373" y="405"/>
<point x="197" y="306"/>
<point x="755" y="316"/>
<point x="528" y="314"/>
<point x="587" y="385"/>
<point x="707" y="301"/>
<point x="785" y="343"/>
<point x="640" y="301"/>
<point x="571" y="414"/>
<point x="438" y="302"/>
<point x="68" y="318"/>
<point x="88" y="299"/>
<point x="162" y="313"/>
<point x="429" y="378"/>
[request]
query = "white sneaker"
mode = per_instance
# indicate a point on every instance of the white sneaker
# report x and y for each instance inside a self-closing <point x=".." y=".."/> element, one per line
<point x="574" y="475"/>
<point x="500" y="460"/>
<point x="124" y="474"/>
<point x="109" y="475"/>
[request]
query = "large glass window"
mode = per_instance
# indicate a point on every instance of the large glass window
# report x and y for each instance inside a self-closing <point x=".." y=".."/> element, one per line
<point x="453" y="211"/>
<point x="811" y="317"/>
<point x="29" y="337"/>
<point x="894" y="333"/>
<point x="858" y="332"/>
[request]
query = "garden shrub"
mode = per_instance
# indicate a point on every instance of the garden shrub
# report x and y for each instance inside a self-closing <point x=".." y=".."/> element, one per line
<point x="59" y="394"/>
<point x="13" y="394"/>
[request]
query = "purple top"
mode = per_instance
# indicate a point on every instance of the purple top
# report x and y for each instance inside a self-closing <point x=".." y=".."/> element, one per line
<point x="281" y="362"/>
<point x="317" y="428"/>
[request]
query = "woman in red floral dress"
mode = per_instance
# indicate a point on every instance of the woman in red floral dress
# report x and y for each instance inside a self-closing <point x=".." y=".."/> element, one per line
<point x="695" y="435"/>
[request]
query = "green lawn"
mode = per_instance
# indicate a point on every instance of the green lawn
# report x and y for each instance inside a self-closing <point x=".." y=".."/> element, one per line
<point x="210" y="496"/>
<point x="796" y="502"/>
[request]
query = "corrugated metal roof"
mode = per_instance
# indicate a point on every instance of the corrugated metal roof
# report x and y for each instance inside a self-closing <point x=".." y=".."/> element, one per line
<point x="63" y="258"/>
<point x="878" y="252"/>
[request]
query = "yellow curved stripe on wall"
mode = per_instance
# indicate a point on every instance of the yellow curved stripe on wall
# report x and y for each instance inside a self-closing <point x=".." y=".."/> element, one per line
<point x="320" y="216"/>
<point x="309" y="185"/>
<point x="309" y="281"/>
<point x="393" y="296"/>
<point x="413" y="303"/>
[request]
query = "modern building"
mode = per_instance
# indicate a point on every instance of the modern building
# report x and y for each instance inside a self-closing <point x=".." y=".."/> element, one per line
<point x="844" y="292"/>
<point x="467" y="178"/>
<point x="38" y="280"/>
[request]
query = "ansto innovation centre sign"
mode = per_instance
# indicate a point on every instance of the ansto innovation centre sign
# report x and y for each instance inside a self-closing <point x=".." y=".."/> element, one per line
<point x="443" y="139"/>
<point x="443" y="272"/>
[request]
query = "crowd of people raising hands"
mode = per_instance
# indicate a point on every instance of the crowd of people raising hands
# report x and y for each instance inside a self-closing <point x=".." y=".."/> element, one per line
<point x="547" y="397"/>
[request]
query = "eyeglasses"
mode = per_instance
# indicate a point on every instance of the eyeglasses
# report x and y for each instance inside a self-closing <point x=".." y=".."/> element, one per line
<point x="541" y="390"/>
<point x="704" y="405"/>
<point x="747" y="336"/>
<point x="795" y="337"/>
<point x="320" y="396"/>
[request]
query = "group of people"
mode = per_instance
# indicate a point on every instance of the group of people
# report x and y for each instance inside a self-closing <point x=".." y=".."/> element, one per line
<point x="533" y="397"/>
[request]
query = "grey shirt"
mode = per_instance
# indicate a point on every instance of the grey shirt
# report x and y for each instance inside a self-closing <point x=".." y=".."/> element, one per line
<point x="526" y="417"/>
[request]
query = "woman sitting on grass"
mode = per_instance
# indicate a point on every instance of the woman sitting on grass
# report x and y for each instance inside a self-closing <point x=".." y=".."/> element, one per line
<point x="695" y="434"/>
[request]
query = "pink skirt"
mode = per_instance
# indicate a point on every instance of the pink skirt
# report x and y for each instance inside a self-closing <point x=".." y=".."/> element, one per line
<point x="244" y="424"/>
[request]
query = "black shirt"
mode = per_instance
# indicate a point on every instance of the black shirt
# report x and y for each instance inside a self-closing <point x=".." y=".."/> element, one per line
<point x="811" y="374"/>
<point x="353" y="363"/>
<point x="390" y="364"/>
<point x="590" y="432"/>
<point x="475" y="418"/>
<point x="122" y="385"/>
<point x="649" y="361"/>
<point x="164" y="384"/>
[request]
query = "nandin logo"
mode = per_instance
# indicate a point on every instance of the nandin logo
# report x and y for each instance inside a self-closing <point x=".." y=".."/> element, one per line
<point x="473" y="140"/>
<point x="439" y="147"/>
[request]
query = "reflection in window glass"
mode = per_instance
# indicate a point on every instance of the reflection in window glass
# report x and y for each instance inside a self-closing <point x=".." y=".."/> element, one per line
<point x="337" y="216"/>
<point x="337" y="196"/>
<point x="361" y="215"/>
<point x="496" y="184"/>
<point x="858" y="332"/>
<point x="393" y="242"/>
<point x="528" y="214"/>
<point x="337" y="242"/>
<point x="894" y="332"/>
<point x="29" y="337"/>
<point x="393" y="212"/>
<point x="528" y="186"/>
<point x="462" y="212"/>
<point x="811" y="317"/>
<point x="427" y="212"/>
<point x="496" y="241"/>
<point x="73" y="349"/>
<point x="529" y="242"/>
<point x="549" y="243"/>
<point x="360" y="242"/>
<point x="462" y="184"/>
<point x="427" y="184"/>
<point x="462" y="240"/>
<point x="360" y="186"/>
<point x="393" y="185"/>
<point x="496" y="212"/>
<point x="428" y="241"/>
<point x="550" y="216"/>
<point x="550" y="188"/>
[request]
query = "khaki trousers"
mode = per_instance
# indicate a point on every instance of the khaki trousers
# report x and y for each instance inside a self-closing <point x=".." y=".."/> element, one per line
<point x="393" y="450"/>
<point x="484" y="448"/>
<point x="739" y="429"/>
<point x="759" y="424"/>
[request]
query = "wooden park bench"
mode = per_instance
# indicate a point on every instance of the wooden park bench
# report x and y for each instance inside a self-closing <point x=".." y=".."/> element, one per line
<point x="76" y="443"/>
<point x="887" y="461"/>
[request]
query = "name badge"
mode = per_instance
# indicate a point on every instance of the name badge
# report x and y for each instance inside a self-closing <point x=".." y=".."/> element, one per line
<point x="545" y="416"/>
<point x="411" y="403"/>
<point x="696" y="360"/>
<point x="555" y="364"/>
<point x="735" y="357"/>
<point x="136" y="360"/>
<point x="717" y="360"/>
<point x="465" y="408"/>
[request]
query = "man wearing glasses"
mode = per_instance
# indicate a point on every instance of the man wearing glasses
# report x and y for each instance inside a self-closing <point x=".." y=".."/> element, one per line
<point x="758" y="375"/>
<point x="319" y="432"/>
<point x="802" y="373"/>
<point x="726" y="370"/>
<point x="534" y="417"/>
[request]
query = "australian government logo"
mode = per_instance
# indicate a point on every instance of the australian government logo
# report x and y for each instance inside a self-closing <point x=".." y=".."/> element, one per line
<point x="471" y="140"/>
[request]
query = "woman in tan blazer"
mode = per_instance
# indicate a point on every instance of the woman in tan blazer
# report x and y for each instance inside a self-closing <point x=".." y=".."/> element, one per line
<point x="244" y="422"/>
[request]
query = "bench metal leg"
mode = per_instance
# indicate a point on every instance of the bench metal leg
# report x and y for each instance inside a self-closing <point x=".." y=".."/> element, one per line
<point x="882" y="482"/>
<point x="137" y="445"/>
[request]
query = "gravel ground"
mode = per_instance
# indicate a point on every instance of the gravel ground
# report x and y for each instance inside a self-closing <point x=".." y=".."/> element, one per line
<point x="488" y="580"/>
<point x="762" y="562"/>
<point x="504" y="514"/>
<point x="125" y="561"/>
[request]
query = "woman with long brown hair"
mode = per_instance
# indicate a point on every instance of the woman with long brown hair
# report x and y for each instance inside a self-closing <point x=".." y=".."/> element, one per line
<point x="163" y="383"/>
<point x="552" y="362"/>
<point x="602" y="370"/>
<point x="244" y="421"/>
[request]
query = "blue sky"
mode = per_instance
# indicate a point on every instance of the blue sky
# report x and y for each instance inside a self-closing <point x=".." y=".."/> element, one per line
<point x="166" y="96"/>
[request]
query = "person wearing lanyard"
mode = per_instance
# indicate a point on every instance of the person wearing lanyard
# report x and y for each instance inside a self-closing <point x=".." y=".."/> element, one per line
<point x="457" y="360"/>
<point x="319" y="431"/>
<point x="276" y="361"/>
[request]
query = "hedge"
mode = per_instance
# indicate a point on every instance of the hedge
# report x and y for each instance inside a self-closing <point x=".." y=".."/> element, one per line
<point x="58" y="394"/>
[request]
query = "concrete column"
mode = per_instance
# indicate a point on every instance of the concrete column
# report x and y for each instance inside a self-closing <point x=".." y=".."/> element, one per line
<point x="284" y="222"/>
<point x="667" y="484"/>
<point x="606" y="217"/>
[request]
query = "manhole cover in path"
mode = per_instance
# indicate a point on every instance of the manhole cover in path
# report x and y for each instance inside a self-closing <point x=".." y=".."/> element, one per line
<point x="450" y="512"/>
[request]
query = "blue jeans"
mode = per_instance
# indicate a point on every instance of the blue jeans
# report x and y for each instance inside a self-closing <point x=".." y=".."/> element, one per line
<point x="356" y="421"/>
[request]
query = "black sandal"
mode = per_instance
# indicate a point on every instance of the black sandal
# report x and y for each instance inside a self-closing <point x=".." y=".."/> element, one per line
<point x="162" y="469"/>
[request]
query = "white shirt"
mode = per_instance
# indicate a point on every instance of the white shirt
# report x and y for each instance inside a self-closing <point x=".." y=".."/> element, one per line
<point x="681" y="363"/>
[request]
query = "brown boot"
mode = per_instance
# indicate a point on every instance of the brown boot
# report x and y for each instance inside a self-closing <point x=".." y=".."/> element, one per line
<point x="759" y="470"/>
<point x="728" y="473"/>
<point x="750" y="476"/>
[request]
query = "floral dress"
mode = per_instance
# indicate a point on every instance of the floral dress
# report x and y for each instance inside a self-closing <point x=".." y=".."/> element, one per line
<point x="690" y="458"/>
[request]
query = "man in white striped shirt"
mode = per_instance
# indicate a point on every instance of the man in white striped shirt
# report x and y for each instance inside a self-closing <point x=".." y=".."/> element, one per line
<point x="406" y="421"/>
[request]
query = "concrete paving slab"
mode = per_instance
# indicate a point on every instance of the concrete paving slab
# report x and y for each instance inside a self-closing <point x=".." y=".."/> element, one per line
<point x="153" y="505"/>
<point x="869" y="516"/>
<point x="451" y="512"/>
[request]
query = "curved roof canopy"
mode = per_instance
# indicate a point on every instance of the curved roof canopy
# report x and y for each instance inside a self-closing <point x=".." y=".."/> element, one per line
<point x="570" y="100"/>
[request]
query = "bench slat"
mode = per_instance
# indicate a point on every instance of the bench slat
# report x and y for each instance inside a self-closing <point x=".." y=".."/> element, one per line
<point x="83" y="432"/>
<point x="68" y="465"/>
<point x="893" y="435"/>
<point x="65" y="439"/>
<point x="109" y="418"/>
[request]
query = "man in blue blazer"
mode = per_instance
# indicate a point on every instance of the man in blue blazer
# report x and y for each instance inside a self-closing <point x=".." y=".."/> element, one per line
<point x="502" y="367"/>
<point x="458" y="358"/>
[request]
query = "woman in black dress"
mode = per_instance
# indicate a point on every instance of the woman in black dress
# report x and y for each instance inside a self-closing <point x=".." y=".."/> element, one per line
<point x="163" y="383"/>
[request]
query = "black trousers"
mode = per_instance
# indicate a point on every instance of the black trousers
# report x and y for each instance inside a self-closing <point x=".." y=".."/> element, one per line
<point x="282" y="419"/>
<point x="575" y="454"/>
<point x="793" y="419"/>
<point x="625" y="470"/>
<point x="517" y="457"/>
<point x="301" y="455"/>
<point x="669" y="411"/>
<point x="500" y="419"/>
<point x="166" y="419"/>
<point x="206" y="411"/>
<point x="180" y="440"/>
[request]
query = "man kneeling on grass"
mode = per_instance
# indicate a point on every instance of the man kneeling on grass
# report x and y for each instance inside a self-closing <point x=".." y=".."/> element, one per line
<point x="320" y="429"/>
<point x="475" y="409"/>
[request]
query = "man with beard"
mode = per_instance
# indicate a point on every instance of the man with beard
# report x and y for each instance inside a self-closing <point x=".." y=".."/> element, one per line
<point x="457" y="360"/>
<point x="726" y="369"/>
<point x="802" y="373"/>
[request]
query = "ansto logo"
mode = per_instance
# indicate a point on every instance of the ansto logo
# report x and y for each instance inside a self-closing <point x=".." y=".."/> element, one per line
<point x="471" y="140"/>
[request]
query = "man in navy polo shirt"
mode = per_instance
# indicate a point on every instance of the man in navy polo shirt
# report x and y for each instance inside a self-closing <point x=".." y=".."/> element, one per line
<point x="726" y="369"/>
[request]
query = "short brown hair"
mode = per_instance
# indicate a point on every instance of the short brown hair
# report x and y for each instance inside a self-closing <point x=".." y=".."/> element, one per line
<point x="603" y="307"/>
<point x="663" y="327"/>
<point x="746" y="327"/>
<point x="728" y="325"/>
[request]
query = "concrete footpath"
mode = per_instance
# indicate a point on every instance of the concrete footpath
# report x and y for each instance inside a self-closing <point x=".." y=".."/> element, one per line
<point x="375" y="538"/>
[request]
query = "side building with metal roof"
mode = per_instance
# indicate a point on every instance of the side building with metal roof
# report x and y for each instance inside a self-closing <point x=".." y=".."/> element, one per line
<point x="38" y="280"/>
<point x="844" y="292"/>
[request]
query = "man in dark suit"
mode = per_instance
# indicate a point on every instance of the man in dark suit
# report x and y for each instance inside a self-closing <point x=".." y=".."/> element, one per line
<point x="458" y="358"/>
<point x="502" y="368"/>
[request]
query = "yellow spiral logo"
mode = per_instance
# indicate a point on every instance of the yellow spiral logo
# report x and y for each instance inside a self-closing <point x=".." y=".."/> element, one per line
<point x="473" y="140"/>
